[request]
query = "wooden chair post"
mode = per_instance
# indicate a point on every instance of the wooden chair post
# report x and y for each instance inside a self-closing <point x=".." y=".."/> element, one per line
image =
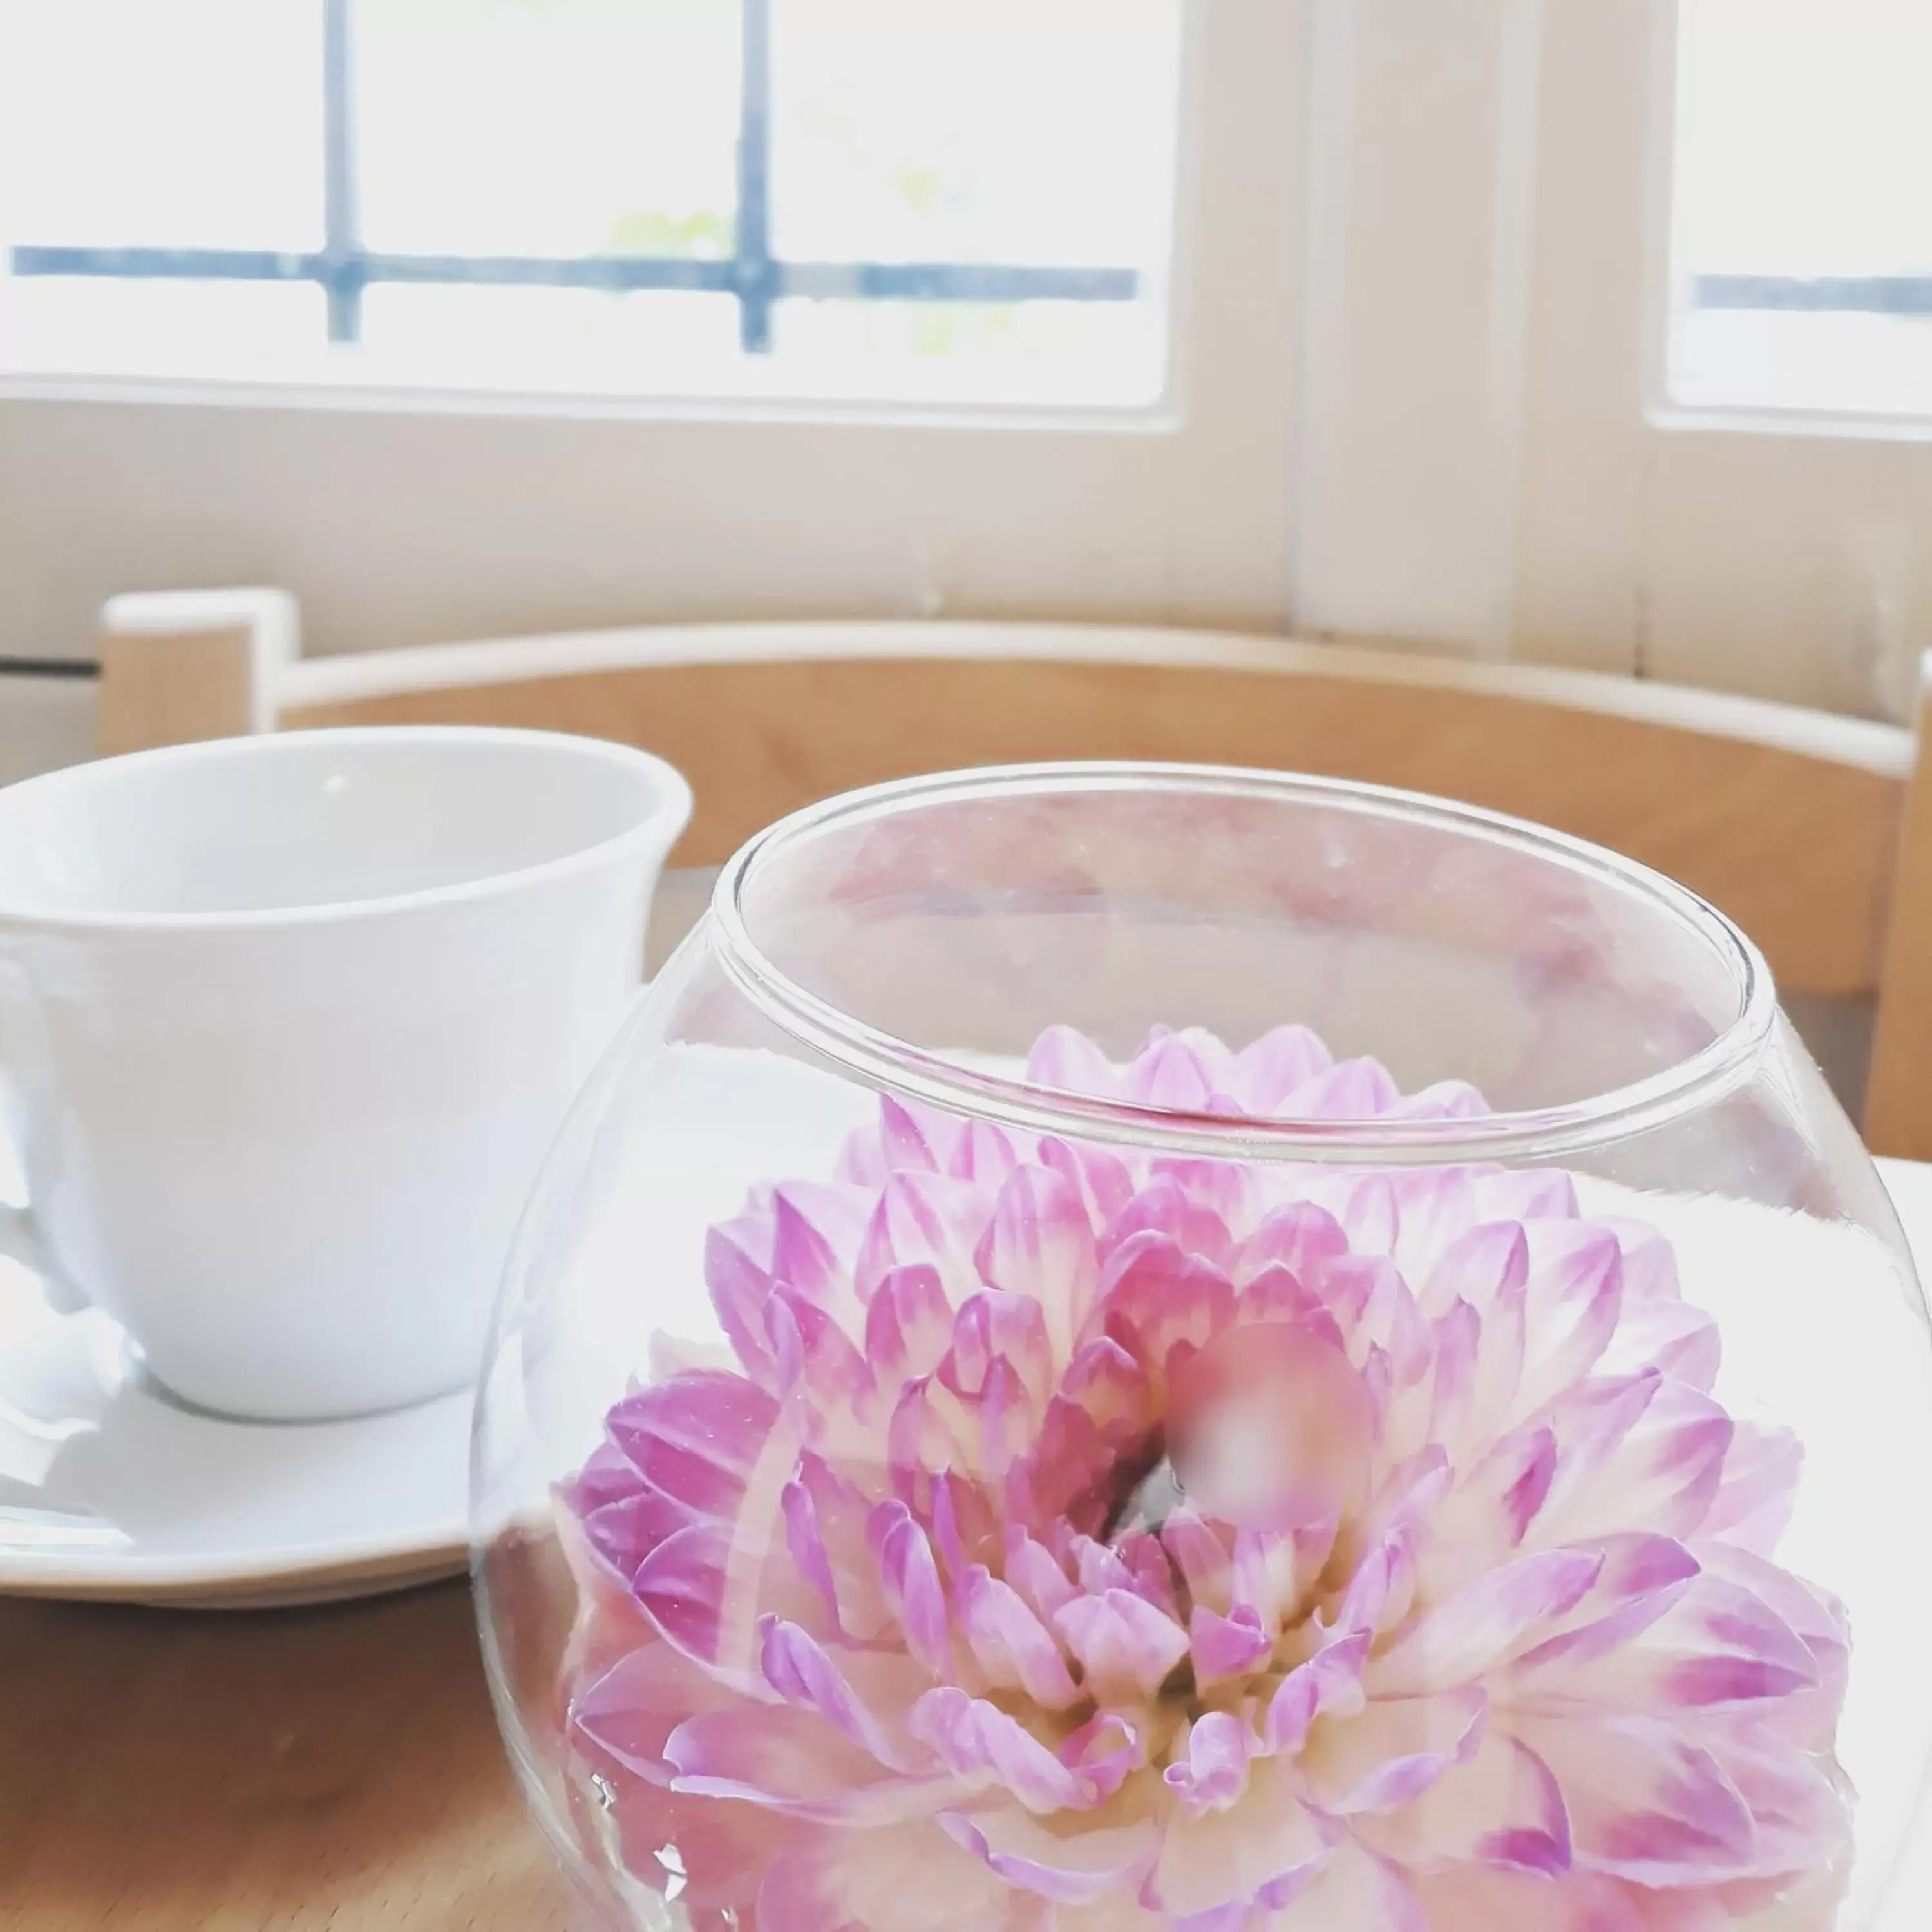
<point x="1898" y="1105"/>
<point x="177" y="666"/>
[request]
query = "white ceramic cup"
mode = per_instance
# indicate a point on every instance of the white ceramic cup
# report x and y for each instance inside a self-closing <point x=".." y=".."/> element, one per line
<point x="288" y="1023"/>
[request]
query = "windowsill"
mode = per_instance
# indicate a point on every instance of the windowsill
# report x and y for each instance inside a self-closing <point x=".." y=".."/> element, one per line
<point x="745" y="405"/>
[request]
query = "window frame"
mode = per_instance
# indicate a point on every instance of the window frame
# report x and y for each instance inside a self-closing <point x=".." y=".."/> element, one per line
<point x="1514" y="481"/>
<point x="345" y="266"/>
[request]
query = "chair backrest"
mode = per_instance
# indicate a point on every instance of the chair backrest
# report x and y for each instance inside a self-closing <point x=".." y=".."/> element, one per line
<point x="1788" y="819"/>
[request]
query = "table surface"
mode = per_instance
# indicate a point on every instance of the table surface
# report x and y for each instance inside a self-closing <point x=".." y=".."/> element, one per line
<point x="335" y="1767"/>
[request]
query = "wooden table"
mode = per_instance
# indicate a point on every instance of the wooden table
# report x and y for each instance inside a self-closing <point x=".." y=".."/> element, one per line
<point x="210" y="1772"/>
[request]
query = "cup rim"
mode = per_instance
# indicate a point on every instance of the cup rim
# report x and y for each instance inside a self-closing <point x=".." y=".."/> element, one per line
<point x="886" y="1062"/>
<point x="670" y="808"/>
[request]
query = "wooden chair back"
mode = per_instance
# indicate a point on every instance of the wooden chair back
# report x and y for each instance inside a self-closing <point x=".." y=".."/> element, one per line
<point x="1789" y="820"/>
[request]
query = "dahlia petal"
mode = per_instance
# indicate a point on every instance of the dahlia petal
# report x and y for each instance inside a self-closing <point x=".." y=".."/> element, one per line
<point x="910" y="1139"/>
<point x="1265" y="1575"/>
<point x="1073" y="1868"/>
<point x="979" y="1745"/>
<point x="1226" y="1647"/>
<point x="606" y="1476"/>
<point x="1163" y="1209"/>
<point x="1816" y="1618"/>
<point x="1650" y="1262"/>
<point x="1350" y="1090"/>
<point x="1155" y="1297"/>
<point x="737" y="1274"/>
<point x="1574" y="1301"/>
<point x="910" y="1877"/>
<point x="1098" y="1569"/>
<point x="1359" y="1891"/>
<point x="1478" y="1266"/>
<point x="1372" y="1301"/>
<point x="909" y="1578"/>
<point x="623" y="1533"/>
<point x="1525" y="1194"/>
<point x="1446" y="1100"/>
<point x="1011" y="1644"/>
<point x="1330" y="1681"/>
<point x="1212" y="1857"/>
<point x="994" y="1329"/>
<point x="1659" y="1466"/>
<point x="1126" y="1647"/>
<point x="1470" y="1898"/>
<point x="1671" y="1337"/>
<point x="984" y="1153"/>
<point x="1170" y="1074"/>
<point x="1106" y="1750"/>
<point x="908" y="1324"/>
<point x="1038" y="1576"/>
<point x="1370" y="1216"/>
<point x="1102" y="1179"/>
<point x="1148" y="1571"/>
<point x="929" y="1432"/>
<point x="1069" y="1476"/>
<point x="1215" y="1772"/>
<point x="680" y="1587"/>
<point x="1039" y="1246"/>
<point x="1276" y="1294"/>
<point x="806" y="1543"/>
<point x="1002" y="1422"/>
<point x="802" y="1256"/>
<point x="1716" y="1645"/>
<point x="1500" y="1806"/>
<point x="1381" y="1590"/>
<point x="1646" y="1803"/>
<point x="964" y="1525"/>
<point x="812" y="1349"/>
<point x="1299" y="1237"/>
<point x="1202" y="1557"/>
<point x="1800" y="1817"/>
<point x="1220" y="1064"/>
<point x="1487" y="1515"/>
<point x="825" y="1536"/>
<point x="1643" y="1578"/>
<point x="1484" y="1624"/>
<point x="627" y="1713"/>
<point x="792" y="1761"/>
<point x="928" y="1218"/>
<point x="696" y="1437"/>
<point x="1459" y="1337"/>
<point x="1435" y="1205"/>
<point x="1065" y="1059"/>
<point x="1387" y="1754"/>
<point x="1756" y="1490"/>
<point x="801" y="1673"/>
<point x="1268" y="1070"/>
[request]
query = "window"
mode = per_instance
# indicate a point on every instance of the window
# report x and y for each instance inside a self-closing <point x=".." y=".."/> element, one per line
<point x="493" y="458"/>
<point x="1803" y="204"/>
<point x="868" y="200"/>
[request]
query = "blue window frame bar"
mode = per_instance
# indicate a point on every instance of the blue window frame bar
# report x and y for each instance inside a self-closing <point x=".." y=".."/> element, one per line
<point x="344" y="268"/>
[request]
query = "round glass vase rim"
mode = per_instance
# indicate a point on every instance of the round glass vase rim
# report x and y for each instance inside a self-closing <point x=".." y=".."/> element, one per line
<point x="889" y="1064"/>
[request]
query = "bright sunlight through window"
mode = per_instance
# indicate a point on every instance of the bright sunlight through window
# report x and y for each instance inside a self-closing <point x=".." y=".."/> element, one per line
<point x="1804" y="207"/>
<point x="956" y="201"/>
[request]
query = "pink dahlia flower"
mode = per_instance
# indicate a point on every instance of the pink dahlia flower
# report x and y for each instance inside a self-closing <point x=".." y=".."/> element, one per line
<point x="1077" y="1543"/>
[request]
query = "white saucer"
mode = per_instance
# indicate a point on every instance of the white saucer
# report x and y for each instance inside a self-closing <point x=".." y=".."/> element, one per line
<point x="109" y="1488"/>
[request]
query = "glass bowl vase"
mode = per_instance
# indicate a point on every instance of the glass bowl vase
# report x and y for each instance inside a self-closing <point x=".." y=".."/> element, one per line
<point x="1120" y="1348"/>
